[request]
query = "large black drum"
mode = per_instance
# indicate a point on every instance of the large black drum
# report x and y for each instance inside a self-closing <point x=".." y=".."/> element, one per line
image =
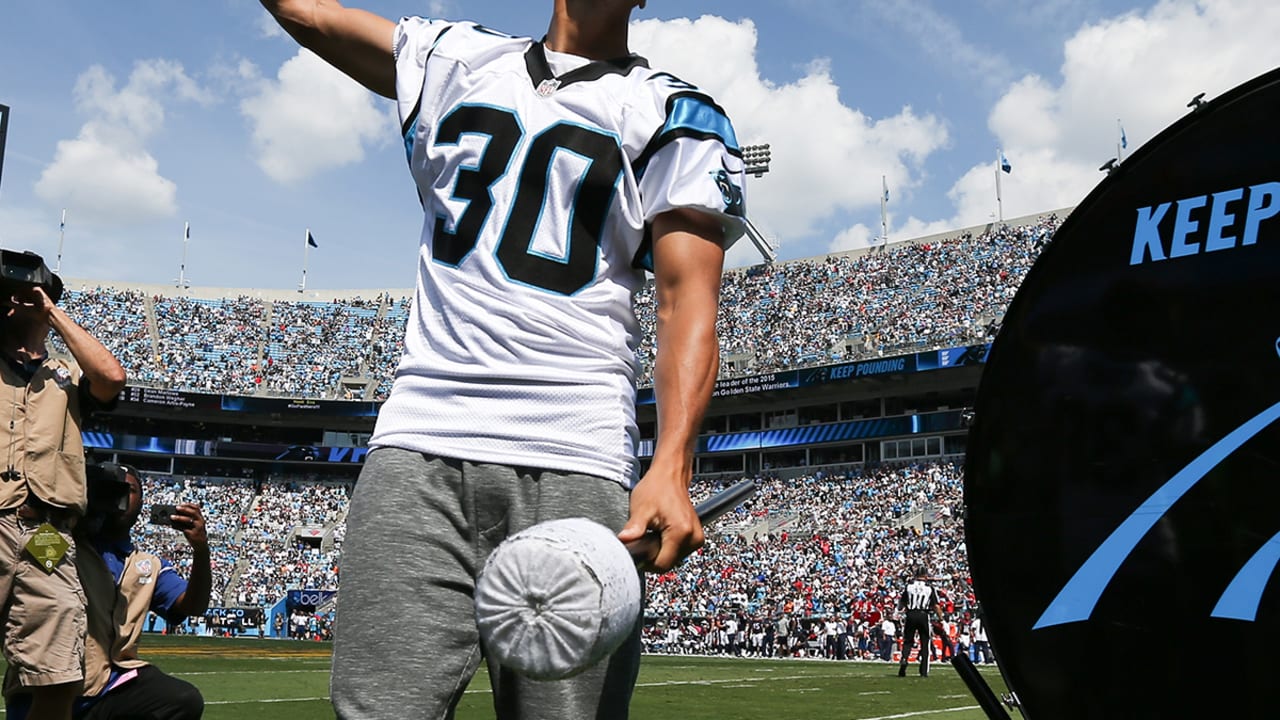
<point x="1123" y="477"/>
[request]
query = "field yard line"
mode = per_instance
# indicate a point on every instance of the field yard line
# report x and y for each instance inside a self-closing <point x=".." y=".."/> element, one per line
<point x="265" y="700"/>
<point x="723" y="681"/>
<point x="774" y="678"/>
<point x="249" y="672"/>
<point x="922" y="713"/>
<point x="899" y="716"/>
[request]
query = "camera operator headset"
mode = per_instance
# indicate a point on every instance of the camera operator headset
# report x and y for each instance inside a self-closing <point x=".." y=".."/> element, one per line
<point x="42" y="481"/>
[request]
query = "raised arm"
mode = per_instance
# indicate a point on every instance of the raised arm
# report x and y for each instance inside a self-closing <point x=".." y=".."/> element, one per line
<point x="103" y="371"/>
<point x="195" y="599"/>
<point x="356" y="42"/>
<point x="688" y="259"/>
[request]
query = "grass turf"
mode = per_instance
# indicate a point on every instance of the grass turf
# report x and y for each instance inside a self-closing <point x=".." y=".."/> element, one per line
<point x="288" y="680"/>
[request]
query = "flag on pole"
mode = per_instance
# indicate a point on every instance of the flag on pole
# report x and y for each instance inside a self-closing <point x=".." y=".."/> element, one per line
<point x="62" y="236"/>
<point x="4" y="131"/>
<point x="1004" y="163"/>
<point x="182" y="269"/>
<point x="884" y="210"/>
<point x="311" y="241"/>
<point x="1124" y="141"/>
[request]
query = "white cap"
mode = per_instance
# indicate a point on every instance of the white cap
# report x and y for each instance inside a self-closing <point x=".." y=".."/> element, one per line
<point x="557" y="598"/>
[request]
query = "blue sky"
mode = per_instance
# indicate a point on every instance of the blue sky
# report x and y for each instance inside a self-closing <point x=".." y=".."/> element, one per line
<point x="173" y="112"/>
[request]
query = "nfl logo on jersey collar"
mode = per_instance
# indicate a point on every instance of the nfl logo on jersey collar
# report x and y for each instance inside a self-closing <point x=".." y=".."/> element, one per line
<point x="548" y="87"/>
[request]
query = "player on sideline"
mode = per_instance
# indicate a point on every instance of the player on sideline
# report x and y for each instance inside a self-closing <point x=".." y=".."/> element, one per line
<point x="552" y="174"/>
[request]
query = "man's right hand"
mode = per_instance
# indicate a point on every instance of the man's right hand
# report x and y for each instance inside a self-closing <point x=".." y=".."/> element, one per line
<point x="31" y="302"/>
<point x="188" y="520"/>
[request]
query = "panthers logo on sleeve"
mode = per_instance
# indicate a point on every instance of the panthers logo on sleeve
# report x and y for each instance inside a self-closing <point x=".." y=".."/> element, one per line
<point x="731" y="192"/>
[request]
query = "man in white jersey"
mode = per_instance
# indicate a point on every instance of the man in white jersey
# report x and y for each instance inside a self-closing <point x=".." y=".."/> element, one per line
<point x="552" y="174"/>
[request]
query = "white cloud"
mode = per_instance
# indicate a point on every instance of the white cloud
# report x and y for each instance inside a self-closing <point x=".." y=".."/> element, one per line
<point x="858" y="236"/>
<point x="106" y="172"/>
<point x="312" y="118"/>
<point x="827" y="156"/>
<point x="941" y="39"/>
<point x="1139" y="67"/>
<point x="107" y="183"/>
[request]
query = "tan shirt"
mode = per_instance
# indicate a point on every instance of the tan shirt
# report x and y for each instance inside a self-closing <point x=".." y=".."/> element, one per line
<point x="116" y="613"/>
<point x="40" y="436"/>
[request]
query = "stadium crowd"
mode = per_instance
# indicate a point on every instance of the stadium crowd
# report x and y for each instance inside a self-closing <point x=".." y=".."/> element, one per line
<point x="801" y="555"/>
<point x="310" y="346"/>
<point x="840" y="556"/>
<point x="278" y="556"/>
<point x="841" y="307"/>
<point x="773" y="317"/>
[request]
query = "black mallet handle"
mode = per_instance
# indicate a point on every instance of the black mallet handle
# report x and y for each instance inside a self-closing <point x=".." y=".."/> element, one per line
<point x="712" y="508"/>
<point x="709" y="511"/>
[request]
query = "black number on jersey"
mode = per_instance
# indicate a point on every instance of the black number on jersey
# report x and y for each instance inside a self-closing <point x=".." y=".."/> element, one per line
<point x="474" y="183"/>
<point x="515" y="254"/>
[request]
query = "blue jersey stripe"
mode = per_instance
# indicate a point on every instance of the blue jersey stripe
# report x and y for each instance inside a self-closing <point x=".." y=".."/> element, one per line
<point x="692" y="112"/>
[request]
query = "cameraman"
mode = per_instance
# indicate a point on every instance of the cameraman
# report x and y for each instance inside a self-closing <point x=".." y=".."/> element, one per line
<point x="42" y="482"/>
<point x="122" y="584"/>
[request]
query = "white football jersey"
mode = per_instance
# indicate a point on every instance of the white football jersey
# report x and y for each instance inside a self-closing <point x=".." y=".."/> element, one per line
<point x="539" y="175"/>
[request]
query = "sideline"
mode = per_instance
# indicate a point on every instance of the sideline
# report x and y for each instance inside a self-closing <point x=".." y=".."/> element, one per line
<point x="922" y="713"/>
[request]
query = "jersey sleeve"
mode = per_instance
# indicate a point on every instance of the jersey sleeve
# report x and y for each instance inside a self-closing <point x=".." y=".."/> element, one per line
<point x="415" y="38"/>
<point x="693" y="161"/>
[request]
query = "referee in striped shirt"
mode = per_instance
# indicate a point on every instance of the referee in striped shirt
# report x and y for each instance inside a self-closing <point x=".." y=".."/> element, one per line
<point x="918" y="599"/>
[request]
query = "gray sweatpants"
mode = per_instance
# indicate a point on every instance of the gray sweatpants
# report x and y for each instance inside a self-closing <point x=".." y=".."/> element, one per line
<point x="419" y="530"/>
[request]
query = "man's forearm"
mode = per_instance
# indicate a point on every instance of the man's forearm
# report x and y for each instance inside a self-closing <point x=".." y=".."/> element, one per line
<point x="684" y="376"/>
<point x="687" y="261"/>
<point x="106" y="375"/>
<point x="195" y="601"/>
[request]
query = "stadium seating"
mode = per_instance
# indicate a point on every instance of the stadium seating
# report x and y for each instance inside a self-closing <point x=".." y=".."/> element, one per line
<point x="850" y="542"/>
<point x="772" y="317"/>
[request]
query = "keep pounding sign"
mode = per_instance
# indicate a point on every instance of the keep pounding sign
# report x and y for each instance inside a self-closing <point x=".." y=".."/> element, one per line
<point x="1122" y="503"/>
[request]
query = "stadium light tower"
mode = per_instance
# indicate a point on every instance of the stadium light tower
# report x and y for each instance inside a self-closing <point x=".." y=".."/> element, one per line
<point x="756" y="159"/>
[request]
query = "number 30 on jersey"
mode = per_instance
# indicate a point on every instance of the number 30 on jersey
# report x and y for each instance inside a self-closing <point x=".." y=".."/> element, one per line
<point x="474" y="186"/>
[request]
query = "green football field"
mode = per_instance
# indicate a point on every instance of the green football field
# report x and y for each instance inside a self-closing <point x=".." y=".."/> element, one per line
<point x="288" y="680"/>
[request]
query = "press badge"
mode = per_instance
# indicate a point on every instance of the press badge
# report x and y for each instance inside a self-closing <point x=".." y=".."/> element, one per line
<point x="47" y="547"/>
